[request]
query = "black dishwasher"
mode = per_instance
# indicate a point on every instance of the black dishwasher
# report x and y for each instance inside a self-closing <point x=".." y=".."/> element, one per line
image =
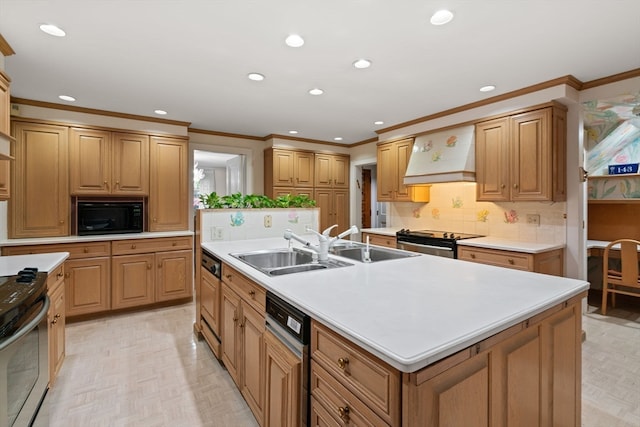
<point x="293" y="328"/>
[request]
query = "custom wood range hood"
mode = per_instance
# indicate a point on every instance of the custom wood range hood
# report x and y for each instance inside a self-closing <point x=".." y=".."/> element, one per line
<point x="447" y="156"/>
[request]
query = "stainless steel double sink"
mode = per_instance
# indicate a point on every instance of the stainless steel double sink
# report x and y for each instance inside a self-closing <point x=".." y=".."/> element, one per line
<point x="277" y="262"/>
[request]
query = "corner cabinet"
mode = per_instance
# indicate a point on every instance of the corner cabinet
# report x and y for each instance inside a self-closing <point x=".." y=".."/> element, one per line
<point x="108" y="163"/>
<point x="393" y="158"/>
<point x="522" y="157"/>
<point x="168" y="196"/>
<point x="287" y="170"/>
<point x="40" y="205"/>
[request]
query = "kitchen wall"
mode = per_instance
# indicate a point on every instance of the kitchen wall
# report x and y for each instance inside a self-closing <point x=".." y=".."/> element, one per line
<point x="453" y="207"/>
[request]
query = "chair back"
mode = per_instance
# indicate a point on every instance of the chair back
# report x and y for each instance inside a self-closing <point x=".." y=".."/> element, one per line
<point x="628" y="261"/>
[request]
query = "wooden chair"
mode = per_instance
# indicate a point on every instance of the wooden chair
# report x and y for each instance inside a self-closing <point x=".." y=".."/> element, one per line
<point x="626" y="281"/>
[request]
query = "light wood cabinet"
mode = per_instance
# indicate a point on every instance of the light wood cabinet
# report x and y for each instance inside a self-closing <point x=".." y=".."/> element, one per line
<point x="210" y="295"/>
<point x="168" y="195"/>
<point x="331" y="171"/>
<point x="174" y="276"/>
<point x="5" y="106"/>
<point x="288" y="168"/>
<point x="132" y="280"/>
<point x="108" y="163"/>
<point x="373" y="386"/>
<point x="5" y="179"/>
<point x="243" y="327"/>
<point x="528" y="375"/>
<point x="88" y="285"/>
<point x="40" y="205"/>
<point x="379" y="239"/>
<point x="549" y="262"/>
<point x="57" y="320"/>
<point x="334" y="208"/>
<point x="282" y="384"/>
<point x="522" y="157"/>
<point x="393" y="158"/>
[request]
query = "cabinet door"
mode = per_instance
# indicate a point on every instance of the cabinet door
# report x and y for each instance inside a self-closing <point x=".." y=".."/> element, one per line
<point x="323" y="173"/>
<point x="87" y="287"/>
<point x="492" y="160"/>
<point x="303" y="169"/>
<point x="403" y="153"/>
<point x="5" y="171"/>
<point x="386" y="172"/>
<point x="531" y="156"/>
<point x="168" y="201"/>
<point x="210" y="299"/>
<point x="132" y="280"/>
<point x="340" y="172"/>
<point x="282" y="388"/>
<point x="252" y="377"/>
<point x="341" y="210"/>
<point x="130" y="160"/>
<point x="56" y="317"/>
<point x="174" y="278"/>
<point x="230" y="331"/>
<point x="40" y="206"/>
<point x="89" y="162"/>
<point x="324" y="201"/>
<point x="5" y="104"/>
<point x="283" y="168"/>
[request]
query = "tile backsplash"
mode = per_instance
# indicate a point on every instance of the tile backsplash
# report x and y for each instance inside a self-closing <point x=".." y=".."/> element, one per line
<point x="240" y="224"/>
<point x="453" y="207"/>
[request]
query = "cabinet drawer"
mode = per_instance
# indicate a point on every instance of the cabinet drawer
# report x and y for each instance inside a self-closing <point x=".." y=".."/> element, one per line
<point x="380" y="240"/>
<point x="515" y="260"/>
<point x="342" y="405"/>
<point x="140" y="246"/>
<point x="371" y="380"/>
<point x="76" y="250"/>
<point x="249" y="291"/>
<point x="55" y="277"/>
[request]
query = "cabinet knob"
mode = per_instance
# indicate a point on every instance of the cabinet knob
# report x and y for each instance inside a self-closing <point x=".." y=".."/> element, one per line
<point x="515" y="185"/>
<point x="85" y="250"/>
<point x="117" y="183"/>
<point x="57" y="316"/>
<point x="61" y="221"/>
<point x="133" y="246"/>
<point x="149" y="266"/>
<point x="473" y="256"/>
<point x="252" y="294"/>
<point x="54" y="321"/>
<point x="60" y="274"/>
<point x="155" y="219"/>
<point x="502" y="185"/>
<point x="67" y="275"/>
<point x="343" y="362"/>
<point x="235" y="319"/>
<point x="229" y="276"/>
<point x="343" y="412"/>
<point x="510" y="260"/>
<point x="174" y="244"/>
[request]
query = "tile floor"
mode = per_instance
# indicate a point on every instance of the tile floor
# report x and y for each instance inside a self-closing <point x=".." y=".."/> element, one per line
<point x="147" y="369"/>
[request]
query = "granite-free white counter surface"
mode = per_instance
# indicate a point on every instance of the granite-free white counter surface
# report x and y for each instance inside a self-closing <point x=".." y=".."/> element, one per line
<point x="96" y="238"/>
<point x="385" y="231"/>
<point x="10" y="265"/>
<point x="510" y="245"/>
<point x="410" y="312"/>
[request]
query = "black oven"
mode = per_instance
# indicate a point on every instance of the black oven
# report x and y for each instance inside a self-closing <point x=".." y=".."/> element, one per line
<point x="24" y="347"/>
<point x="109" y="217"/>
<point x="431" y="242"/>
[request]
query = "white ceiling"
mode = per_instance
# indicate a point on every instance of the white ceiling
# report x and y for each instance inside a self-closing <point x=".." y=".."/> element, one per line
<point x="191" y="57"/>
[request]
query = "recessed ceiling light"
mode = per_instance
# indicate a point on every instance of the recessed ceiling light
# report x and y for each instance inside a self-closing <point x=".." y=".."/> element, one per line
<point x="316" y="91"/>
<point x="53" y="30"/>
<point x="257" y="77"/>
<point x="293" y="132"/>
<point x="441" y="17"/>
<point x="379" y="122"/>
<point x="294" y="40"/>
<point x="160" y="112"/>
<point x="362" y="63"/>
<point x="487" y="88"/>
<point x="337" y="138"/>
<point x="67" y="98"/>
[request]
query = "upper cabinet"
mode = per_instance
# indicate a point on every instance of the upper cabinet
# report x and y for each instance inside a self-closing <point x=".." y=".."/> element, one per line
<point x="288" y="170"/>
<point x="168" y="196"/>
<point x="5" y="139"/>
<point x="108" y="163"/>
<point x="40" y="206"/>
<point x="332" y="171"/>
<point x="522" y="157"/>
<point x="393" y="158"/>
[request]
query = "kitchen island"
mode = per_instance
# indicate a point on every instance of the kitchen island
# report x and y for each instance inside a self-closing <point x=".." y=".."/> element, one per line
<point x="503" y="345"/>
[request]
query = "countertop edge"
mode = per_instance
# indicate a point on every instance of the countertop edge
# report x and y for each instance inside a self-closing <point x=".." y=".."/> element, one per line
<point x="95" y="238"/>
<point x="511" y="245"/>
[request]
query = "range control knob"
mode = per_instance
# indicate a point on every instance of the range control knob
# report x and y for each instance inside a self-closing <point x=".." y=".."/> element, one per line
<point x="452" y="236"/>
<point x="445" y="234"/>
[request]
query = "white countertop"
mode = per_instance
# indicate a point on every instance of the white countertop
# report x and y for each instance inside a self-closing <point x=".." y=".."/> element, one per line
<point x="510" y="245"/>
<point x="98" y="238"/>
<point x="410" y="312"/>
<point x="385" y="231"/>
<point x="10" y="265"/>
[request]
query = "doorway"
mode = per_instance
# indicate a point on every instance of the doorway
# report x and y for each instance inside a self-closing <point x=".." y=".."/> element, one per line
<point x="220" y="172"/>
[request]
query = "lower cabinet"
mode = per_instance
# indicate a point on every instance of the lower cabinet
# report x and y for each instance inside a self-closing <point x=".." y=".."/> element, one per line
<point x="56" y="319"/>
<point x="549" y="262"/>
<point x="282" y="384"/>
<point x="210" y="294"/>
<point x="132" y="280"/>
<point x="379" y="239"/>
<point x="88" y="285"/>
<point x="242" y="332"/>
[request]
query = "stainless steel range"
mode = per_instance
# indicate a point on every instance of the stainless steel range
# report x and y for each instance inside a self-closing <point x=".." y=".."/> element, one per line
<point x="431" y="242"/>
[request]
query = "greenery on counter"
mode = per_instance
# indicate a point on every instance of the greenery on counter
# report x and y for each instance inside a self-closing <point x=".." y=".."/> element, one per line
<point x="255" y="201"/>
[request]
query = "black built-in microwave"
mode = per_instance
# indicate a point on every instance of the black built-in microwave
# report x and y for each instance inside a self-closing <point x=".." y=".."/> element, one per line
<point x="113" y="217"/>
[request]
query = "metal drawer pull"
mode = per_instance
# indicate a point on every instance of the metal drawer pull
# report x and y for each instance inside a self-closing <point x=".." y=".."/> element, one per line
<point x="343" y="412"/>
<point x="343" y="362"/>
